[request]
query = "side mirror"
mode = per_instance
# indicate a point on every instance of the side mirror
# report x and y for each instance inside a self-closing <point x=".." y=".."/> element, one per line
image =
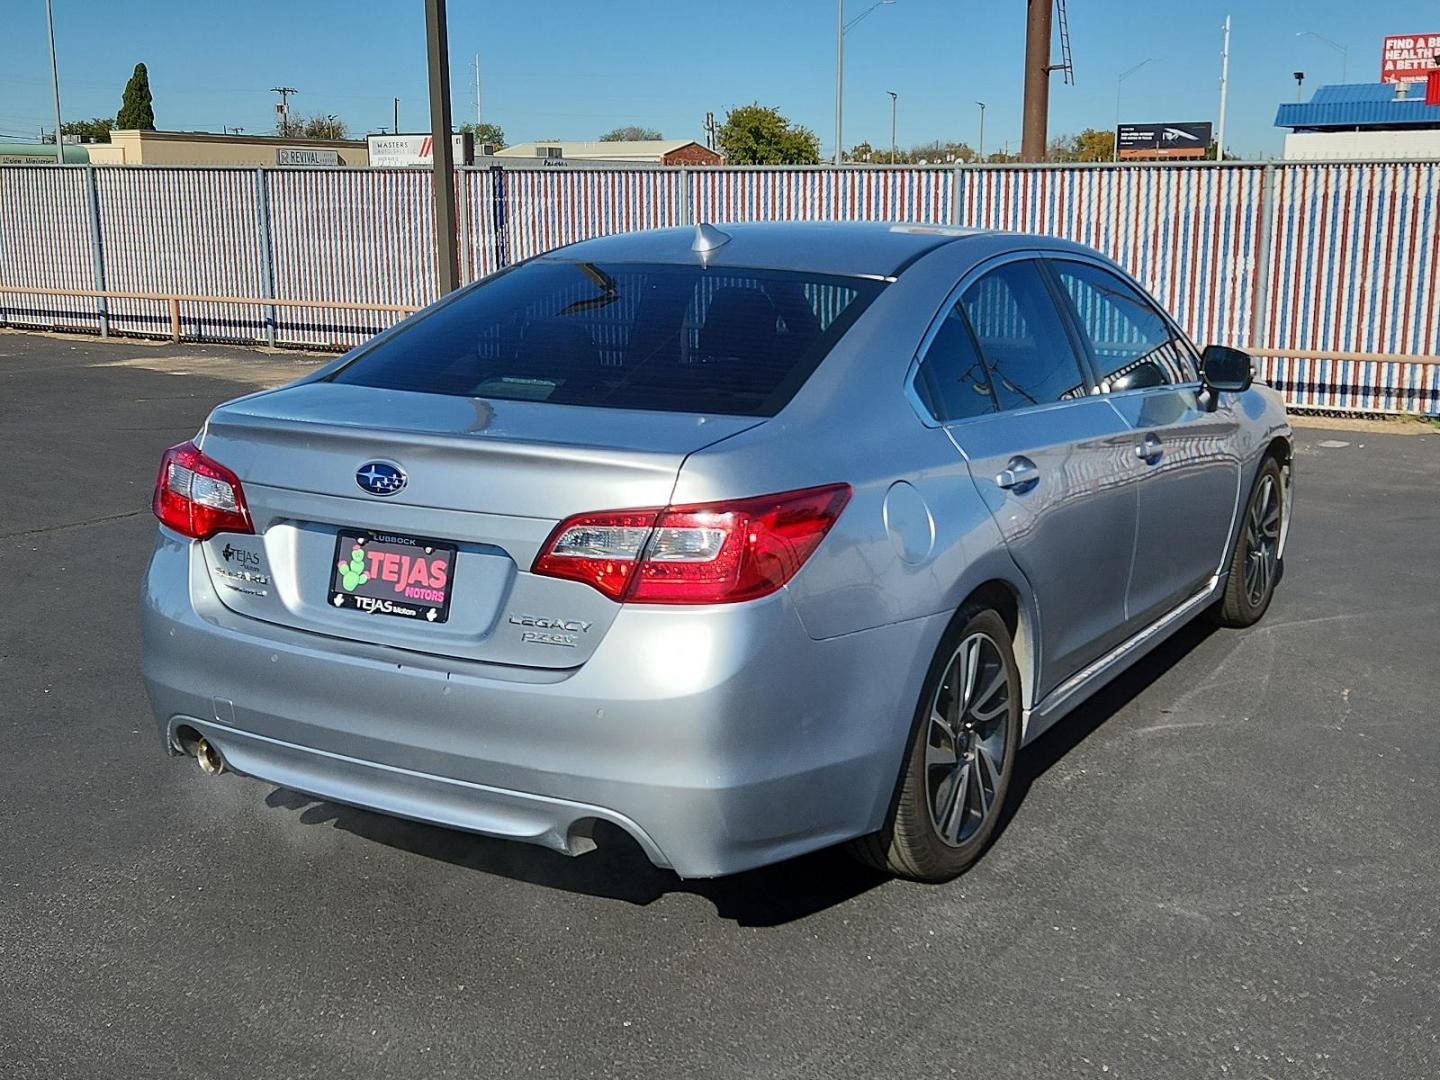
<point x="1223" y="368"/>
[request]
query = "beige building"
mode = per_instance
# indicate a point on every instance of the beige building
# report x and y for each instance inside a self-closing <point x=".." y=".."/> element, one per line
<point x="204" y="148"/>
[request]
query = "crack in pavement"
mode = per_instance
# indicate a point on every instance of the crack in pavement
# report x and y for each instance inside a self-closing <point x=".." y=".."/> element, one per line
<point x="74" y="524"/>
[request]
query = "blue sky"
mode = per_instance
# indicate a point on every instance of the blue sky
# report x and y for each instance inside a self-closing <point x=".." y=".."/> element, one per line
<point x="567" y="69"/>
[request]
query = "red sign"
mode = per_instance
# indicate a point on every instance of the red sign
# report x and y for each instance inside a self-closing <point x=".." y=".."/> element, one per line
<point x="1409" y="57"/>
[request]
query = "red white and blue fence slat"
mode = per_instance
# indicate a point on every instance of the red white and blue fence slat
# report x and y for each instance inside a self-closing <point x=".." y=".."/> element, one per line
<point x="362" y="235"/>
<point x="45" y="242"/>
<point x="1347" y="259"/>
<point x="190" y="231"/>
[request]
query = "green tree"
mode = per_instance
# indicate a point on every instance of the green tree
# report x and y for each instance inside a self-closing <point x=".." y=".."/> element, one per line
<point x="940" y="153"/>
<point x="1092" y="144"/>
<point x="319" y="126"/>
<point x="96" y="128"/>
<point x="137" y="106"/>
<point x="761" y="135"/>
<point x="485" y="135"/>
<point x="631" y="133"/>
<point x="861" y="151"/>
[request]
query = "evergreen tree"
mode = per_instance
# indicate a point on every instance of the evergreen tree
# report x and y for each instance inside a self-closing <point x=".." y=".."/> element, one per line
<point x="136" y="108"/>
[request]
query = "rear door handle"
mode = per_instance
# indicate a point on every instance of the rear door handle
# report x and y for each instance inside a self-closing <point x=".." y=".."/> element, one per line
<point x="1020" y="474"/>
<point x="1150" y="449"/>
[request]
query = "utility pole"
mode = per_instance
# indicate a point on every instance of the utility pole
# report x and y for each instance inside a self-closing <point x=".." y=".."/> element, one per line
<point x="395" y="104"/>
<point x="710" y="131"/>
<point x="55" y="87"/>
<point x="894" y="99"/>
<point x="980" y="152"/>
<point x="284" y="92"/>
<point x="437" y="49"/>
<point x="1037" y="79"/>
<point x="1224" y="92"/>
<point x="477" y="89"/>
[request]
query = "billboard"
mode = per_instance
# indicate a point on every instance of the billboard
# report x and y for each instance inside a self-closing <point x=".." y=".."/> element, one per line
<point x="1409" y="57"/>
<point x="1163" y="140"/>
<point x="388" y="151"/>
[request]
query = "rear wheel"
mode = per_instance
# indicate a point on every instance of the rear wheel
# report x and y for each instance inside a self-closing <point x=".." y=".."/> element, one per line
<point x="961" y="758"/>
<point x="1255" y="565"/>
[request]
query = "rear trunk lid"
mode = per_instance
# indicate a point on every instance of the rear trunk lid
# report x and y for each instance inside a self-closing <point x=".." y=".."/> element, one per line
<point x="491" y="478"/>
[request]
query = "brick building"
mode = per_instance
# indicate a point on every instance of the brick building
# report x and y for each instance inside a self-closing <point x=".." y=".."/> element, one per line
<point x="646" y="151"/>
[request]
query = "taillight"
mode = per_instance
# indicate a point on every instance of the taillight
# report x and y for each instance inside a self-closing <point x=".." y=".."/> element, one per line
<point x="710" y="553"/>
<point x="197" y="496"/>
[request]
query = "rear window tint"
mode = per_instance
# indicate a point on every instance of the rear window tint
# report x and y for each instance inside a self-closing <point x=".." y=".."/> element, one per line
<point x="668" y="338"/>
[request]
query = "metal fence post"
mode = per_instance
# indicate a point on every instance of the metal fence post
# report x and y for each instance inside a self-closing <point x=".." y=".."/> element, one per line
<point x="267" y="257"/>
<point x="683" y="212"/>
<point x="1264" y="240"/>
<point x="955" y="194"/>
<point x="462" y="224"/>
<point x="97" y="255"/>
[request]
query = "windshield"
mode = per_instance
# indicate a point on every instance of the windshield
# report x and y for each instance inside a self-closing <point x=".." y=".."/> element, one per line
<point x="670" y="338"/>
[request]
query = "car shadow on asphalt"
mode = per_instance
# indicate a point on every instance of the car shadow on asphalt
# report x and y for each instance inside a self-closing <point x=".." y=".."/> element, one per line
<point x="1043" y="754"/>
<point x="769" y="896"/>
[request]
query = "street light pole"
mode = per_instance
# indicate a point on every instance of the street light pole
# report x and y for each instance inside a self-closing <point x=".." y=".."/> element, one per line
<point x="841" y="29"/>
<point x="437" y="48"/>
<point x="1343" y="50"/>
<point x="1224" y="92"/>
<point x="894" y="98"/>
<point x="1115" y="150"/>
<point x="980" y="153"/>
<point x="55" y="86"/>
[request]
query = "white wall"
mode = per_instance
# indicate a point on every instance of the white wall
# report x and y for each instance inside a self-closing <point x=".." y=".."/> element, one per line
<point x="1365" y="145"/>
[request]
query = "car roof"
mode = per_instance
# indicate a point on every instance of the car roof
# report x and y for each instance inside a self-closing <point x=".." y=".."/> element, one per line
<point x="846" y="248"/>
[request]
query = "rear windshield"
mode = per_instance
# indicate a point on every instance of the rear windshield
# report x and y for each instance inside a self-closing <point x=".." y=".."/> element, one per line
<point x="624" y="336"/>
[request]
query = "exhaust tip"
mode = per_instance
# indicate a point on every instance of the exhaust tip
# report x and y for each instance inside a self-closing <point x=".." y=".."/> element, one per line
<point x="208" y="758"/>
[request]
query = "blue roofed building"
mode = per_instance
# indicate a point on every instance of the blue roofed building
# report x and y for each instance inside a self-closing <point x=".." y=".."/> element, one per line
<point x="1362" y="121"/>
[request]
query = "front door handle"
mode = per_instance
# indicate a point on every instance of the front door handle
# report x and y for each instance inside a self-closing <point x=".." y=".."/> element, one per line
<point x="1019" y="474"/>
<point x="1150" y="449"/>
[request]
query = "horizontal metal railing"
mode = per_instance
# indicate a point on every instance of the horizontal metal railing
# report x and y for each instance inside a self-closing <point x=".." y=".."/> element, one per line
<point x="176" y="299"/>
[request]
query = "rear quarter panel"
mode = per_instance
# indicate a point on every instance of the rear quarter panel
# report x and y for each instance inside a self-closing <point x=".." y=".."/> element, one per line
<point x="916" y="538"/>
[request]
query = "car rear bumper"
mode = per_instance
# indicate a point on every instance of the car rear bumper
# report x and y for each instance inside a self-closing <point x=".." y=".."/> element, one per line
<point x="719" y="738"/>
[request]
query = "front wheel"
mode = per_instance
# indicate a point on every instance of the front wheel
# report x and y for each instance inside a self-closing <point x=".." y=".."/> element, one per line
<point x="1255" y="565"/>
<point x="961" y="758"/>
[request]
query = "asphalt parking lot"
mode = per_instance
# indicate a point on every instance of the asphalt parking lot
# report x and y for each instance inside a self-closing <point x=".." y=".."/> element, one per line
<point x="1225" y="865"/>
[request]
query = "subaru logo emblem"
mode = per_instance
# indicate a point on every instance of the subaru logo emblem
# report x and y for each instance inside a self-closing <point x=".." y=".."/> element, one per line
<point x="381" y="478"/>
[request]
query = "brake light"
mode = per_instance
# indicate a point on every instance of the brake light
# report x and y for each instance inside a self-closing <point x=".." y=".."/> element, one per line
<point x="197" y="496"/>
<point x="709" y="553"/>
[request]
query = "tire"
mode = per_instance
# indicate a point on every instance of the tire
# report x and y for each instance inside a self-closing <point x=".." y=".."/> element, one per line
<point x="1255" y="563"/>
<point x="952" y="790"/>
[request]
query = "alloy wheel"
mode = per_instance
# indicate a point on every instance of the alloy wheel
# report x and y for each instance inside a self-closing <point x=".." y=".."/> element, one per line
<point x="965" y="742"/>
<point x="1262" y="541"/>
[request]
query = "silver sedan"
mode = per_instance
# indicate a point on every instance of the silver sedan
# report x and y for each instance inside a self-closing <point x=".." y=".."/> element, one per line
<point x="746" y="540"/>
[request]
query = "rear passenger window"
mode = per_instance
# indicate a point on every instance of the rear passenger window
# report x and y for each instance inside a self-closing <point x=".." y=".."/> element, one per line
<point x="952" y="382"/>
<point x="1024" y="343"/>
<point x="1133" y="346"/>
